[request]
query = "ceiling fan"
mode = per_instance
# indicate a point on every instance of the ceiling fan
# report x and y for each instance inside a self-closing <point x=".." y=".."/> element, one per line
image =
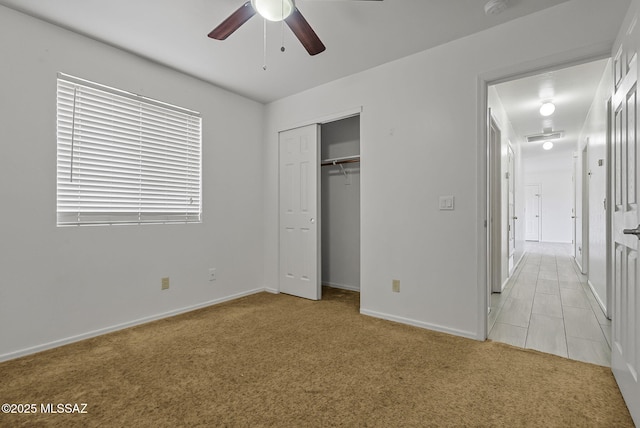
<point x="273" y="10"/>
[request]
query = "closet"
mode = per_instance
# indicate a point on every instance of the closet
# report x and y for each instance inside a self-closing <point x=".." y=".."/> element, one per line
<point x="340" y="203"/>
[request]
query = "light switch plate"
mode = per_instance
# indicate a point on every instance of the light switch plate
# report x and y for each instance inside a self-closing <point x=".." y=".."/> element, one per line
<point x="446" y="203"/>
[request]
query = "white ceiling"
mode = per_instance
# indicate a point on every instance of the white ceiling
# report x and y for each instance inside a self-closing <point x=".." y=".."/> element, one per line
<point x="572" y="90"/>
<point x="358" y="35"/>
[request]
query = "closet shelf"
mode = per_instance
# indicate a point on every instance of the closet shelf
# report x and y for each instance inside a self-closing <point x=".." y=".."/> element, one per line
<point x="339" y="161"/>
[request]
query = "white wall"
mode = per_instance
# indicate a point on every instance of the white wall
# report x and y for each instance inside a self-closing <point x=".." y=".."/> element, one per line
<point x="419" y="140"/>
<point x="341" y="205"/>
<point x="595" y="132"/>
<point x="554" y="174"/>
<point x="69" y="282"/>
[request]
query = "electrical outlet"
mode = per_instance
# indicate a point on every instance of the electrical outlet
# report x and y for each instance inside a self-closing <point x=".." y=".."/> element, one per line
<point x="395" y="285"/>
<point x="212" y="274"/>
<point x="165" y="283"/>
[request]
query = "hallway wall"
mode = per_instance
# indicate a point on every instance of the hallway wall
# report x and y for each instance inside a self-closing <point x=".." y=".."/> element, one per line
<point x="595" y="131"/>
<point x="509" y="136"/>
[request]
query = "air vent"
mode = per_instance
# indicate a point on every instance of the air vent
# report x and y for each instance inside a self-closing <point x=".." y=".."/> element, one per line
<point x="494" y="7"/>
<point x="544" y="137"/>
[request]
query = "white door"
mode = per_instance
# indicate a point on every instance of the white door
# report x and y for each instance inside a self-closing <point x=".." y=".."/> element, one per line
<point x="625" y="352"/>
<point x="299" y="222"/>
<point x="584" y="212"/>
<point x="575" y="238"/>
<point x="532" y="212"/>
<point x="495" y="193"/>
<point x="511" y="210"/>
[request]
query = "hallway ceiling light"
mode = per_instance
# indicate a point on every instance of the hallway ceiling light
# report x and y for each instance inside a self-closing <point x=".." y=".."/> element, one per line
<point x="548" y="145"/>
<point x="547" y="109"/>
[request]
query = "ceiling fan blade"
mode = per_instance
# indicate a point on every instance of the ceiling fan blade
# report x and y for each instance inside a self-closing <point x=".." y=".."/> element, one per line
<point x="304" y="33"/>
<point x="233" y="22"/>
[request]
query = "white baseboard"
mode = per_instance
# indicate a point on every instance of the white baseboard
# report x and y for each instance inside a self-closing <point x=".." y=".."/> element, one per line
<point x="598" y="299"/>
<point x="341" y="286"/>
<point x="578" y="264"/>
<point x="100" y="332"/>
<point x="421" y="324"/>
<point x="271" y="290"/>
<point x="517" y="264"/>
<point x="504" y="284"/>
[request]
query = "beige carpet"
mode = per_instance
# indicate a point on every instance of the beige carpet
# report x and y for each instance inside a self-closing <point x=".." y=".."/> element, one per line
<point x="277" y="360"/>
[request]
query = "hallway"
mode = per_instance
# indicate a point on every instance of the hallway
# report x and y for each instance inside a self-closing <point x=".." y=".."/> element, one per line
<point x="548" y="306"/>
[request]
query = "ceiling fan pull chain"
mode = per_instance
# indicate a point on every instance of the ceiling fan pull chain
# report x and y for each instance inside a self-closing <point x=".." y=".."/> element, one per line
<point x="282" y="29"/>
<point x="264" y="46"/>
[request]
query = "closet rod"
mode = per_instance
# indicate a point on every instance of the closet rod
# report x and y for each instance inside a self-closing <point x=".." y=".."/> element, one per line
<point x="338" y="161"/>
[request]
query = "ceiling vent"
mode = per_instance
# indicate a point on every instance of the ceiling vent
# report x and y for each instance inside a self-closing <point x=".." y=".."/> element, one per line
<point x="494" y="7"/>
<point x="553" y="135"/>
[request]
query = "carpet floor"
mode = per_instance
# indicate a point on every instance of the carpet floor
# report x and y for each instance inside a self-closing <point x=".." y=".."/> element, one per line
<point x="278" y="361"/>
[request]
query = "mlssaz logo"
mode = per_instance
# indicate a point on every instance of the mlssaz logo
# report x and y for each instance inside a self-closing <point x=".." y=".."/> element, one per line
<point x="63" y="408"/>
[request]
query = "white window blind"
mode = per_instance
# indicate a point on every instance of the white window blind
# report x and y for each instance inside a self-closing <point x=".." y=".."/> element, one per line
<point x="123" y="158"/>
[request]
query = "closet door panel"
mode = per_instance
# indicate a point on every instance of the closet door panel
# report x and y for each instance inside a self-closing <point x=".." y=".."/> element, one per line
<point x="299" y="221"/>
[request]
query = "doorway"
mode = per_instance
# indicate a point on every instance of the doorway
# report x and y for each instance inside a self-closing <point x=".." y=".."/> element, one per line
<point x="546" y="291"/>
<point x="319" y="207"/>
<point x="340" y="200"/>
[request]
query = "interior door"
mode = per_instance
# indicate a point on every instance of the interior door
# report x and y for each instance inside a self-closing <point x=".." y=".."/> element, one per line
<point x="584" y="211"/>
<point x="532" y="212"/>
<point x="495" y="194"/>
<point x="511" y="211"/>
<point x="625" y="352"/>
<point x="299" y="223"/>
<point x="575" y="240"/>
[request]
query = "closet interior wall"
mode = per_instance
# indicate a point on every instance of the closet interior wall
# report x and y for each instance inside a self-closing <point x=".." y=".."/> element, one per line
<point x="340" y="185"/>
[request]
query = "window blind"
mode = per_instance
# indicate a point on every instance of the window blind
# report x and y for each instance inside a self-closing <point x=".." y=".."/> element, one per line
<point x="123" y="158"/>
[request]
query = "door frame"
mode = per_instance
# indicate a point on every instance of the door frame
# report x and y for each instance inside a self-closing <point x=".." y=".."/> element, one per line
<point x="608" y="215"/>
<point x="333" y="117"/>
<point x="484" y="80"/>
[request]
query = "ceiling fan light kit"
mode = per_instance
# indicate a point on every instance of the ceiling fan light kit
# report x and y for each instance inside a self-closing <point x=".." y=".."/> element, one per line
<point x="273" y="10"/>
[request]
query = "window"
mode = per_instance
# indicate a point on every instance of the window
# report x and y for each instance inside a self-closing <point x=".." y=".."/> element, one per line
<point x="125" y="159"/>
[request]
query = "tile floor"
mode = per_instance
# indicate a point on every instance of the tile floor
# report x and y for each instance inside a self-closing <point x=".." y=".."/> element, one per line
<point x="547" y="305"/>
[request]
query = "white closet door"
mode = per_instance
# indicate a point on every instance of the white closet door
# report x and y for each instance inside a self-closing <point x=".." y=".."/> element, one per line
<point x="299" y="221"/>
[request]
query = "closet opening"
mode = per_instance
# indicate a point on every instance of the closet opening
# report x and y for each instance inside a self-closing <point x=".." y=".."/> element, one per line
<point x="340" y="207"/>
